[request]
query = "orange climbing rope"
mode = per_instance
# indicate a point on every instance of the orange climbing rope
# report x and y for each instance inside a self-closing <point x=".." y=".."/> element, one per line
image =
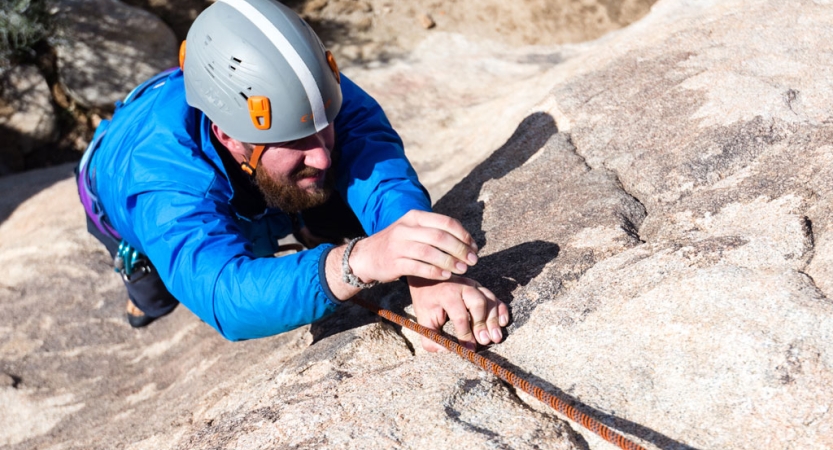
<point x="508" y="376"/>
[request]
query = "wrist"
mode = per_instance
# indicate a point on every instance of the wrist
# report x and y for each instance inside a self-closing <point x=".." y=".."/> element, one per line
<point x="352" y="271"/>
<point x="340" y="290"/>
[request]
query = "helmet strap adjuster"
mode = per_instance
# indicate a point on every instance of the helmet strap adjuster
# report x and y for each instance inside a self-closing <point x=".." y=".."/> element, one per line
<point x="251" y="165"/>
<point x="248" y="169"/>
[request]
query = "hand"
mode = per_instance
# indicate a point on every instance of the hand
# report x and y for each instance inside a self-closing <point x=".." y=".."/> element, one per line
<point x="476" y="313"/>
<point x="422" y="244"/>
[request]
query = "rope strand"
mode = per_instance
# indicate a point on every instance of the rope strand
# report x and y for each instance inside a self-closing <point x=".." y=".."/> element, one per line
<point x="508" y="376"/>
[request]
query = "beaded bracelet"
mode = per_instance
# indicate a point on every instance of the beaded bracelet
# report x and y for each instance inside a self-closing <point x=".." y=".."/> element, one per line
<point x="347" y="274"/>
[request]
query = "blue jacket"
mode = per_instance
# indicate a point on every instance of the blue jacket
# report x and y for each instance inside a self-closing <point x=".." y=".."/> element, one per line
<point x="165" y="190"/>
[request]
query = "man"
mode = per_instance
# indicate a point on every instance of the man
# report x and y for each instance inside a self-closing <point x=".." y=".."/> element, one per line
<point x="202" y="169"/>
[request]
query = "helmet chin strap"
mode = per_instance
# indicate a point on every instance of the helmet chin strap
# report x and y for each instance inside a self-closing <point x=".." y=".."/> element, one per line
<point x="251" y="165"/>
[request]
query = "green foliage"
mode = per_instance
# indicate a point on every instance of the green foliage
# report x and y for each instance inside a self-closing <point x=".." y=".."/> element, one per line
<point x="23" y="23"/>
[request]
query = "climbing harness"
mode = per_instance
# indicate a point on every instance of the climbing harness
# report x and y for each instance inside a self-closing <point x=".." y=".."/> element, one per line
<point x="127" y="260"/>
<point x="556" y="403"/>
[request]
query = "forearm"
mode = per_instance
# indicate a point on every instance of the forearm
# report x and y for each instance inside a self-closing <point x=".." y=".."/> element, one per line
<point x="335" y="270"/>
<point x="375" y="177"/>
<point x="338" y="287"/>
<point x="257" y="297"/>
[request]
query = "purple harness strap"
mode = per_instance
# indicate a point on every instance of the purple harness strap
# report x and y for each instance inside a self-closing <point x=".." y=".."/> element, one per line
<point x="87" y="194"/>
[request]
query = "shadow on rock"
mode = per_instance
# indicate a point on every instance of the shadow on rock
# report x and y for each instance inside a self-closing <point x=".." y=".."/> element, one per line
<point x="20" y="187"/>
<point x="462" y="203"/>
<point x="503" y="271"/>
<point x="618" y="424"/>
<point x="514" y="267"/>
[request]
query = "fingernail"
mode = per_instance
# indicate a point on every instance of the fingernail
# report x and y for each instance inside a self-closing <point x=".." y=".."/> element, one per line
<point x="461" y="267"/>
<point x="472" y="258"/>
<point x="496" y="335"/>
<point x="504" y="320"/>
<point x="446" y="274"/>
<point x="470" y="345"/>
<point x="484" y="337"/>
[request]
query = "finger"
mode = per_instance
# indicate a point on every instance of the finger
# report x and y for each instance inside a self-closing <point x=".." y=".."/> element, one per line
<point x="503" y="314"/>
<point x="459" y="316"/>
<point x="412" y="267"/>
<point x="445" y="223"/>
<point x="432" y="347"/>
<point x="428" y="252"/>
<point x="492" y="321"/>
<point x="502" y="309"/>
<point x="431" y="318"/>
<point x="440" y="248"/>
<point x="477" y="304"/>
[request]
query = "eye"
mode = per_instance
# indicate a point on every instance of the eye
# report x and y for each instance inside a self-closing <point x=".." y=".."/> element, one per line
<point x="292" y="144"/>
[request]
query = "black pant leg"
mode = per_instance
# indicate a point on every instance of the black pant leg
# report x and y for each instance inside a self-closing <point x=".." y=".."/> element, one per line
<point x="144" y="287"/>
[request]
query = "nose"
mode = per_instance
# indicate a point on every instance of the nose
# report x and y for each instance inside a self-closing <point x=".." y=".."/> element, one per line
<point x="316" y="153"/>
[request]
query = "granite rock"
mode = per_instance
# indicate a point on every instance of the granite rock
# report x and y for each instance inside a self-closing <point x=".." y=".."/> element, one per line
<point x="105" y="48"/>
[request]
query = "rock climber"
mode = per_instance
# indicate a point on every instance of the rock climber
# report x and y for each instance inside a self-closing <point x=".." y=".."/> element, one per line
<point x="256" y="137"/>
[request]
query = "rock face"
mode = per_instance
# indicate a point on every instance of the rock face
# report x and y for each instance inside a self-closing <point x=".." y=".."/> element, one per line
<point x="364" y="30"/>
<point x="74" y="372"/>
<point x="27" y="117"/>
<point x="660" y="224"/>
<point x="715" y="330"/>
<point x="101" y="57"/>
<point x="440" y="97"/>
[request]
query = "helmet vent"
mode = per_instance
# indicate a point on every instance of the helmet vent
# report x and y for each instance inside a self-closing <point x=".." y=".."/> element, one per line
<point x="210" y="69"/>
<point x="234" y="63"/>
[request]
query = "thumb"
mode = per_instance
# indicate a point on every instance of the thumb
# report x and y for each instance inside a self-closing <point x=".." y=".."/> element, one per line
<point x="432" y="347"/>
<point x="432" y="319"/>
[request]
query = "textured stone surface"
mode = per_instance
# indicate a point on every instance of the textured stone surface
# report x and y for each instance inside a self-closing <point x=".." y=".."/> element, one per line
<point x="454" y="100"/>
<point x="391" y="27"/>
<point x="357" y="390"/>
<point x="105" y="48"/>
<point x="78" y="376"/>
<point x="659" y="223"/>
<point x="716" y="332"/>
<point x="27" y="117"/>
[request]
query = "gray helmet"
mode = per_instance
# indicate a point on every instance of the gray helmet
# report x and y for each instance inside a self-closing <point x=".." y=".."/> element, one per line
<point x="259" y="72"/>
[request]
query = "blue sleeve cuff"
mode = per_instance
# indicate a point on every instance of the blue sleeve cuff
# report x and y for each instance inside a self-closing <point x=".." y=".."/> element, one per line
<point x="322" y="276"/>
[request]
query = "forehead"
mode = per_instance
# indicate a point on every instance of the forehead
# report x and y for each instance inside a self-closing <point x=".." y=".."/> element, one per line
<point x="325" y="132"/>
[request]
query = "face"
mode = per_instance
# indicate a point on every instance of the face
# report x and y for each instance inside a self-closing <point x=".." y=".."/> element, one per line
<point x="294" y="175"/>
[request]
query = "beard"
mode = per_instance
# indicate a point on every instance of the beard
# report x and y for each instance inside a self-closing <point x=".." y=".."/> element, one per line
<point x="288" y="197"/>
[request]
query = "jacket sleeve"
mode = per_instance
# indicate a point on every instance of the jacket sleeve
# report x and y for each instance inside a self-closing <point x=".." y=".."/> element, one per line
<point x="374" y="176"/>
<point x="209" y="267"/>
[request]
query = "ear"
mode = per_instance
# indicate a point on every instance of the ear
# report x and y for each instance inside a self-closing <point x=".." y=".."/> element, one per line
<point x="237" y="149"/>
